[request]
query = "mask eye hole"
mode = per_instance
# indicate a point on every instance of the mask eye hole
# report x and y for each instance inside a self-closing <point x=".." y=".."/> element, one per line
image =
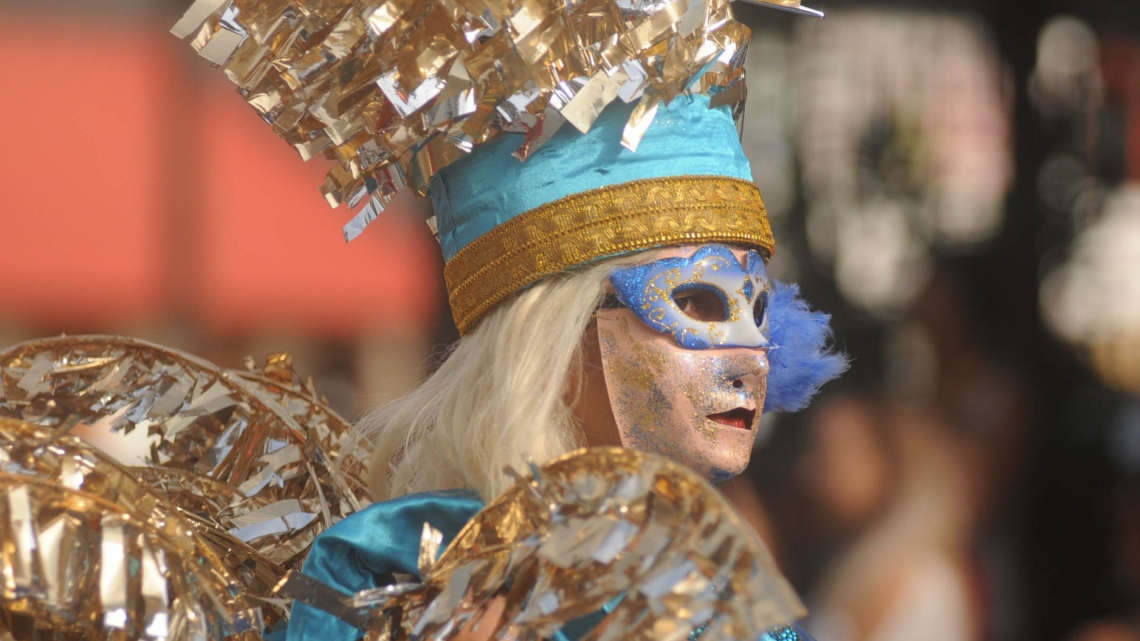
<point x="701" y="302"/>
<point x="760" y="309"/>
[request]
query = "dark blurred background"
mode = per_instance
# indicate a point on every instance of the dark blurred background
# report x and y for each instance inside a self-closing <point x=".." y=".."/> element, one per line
<point x="957" y="183"/>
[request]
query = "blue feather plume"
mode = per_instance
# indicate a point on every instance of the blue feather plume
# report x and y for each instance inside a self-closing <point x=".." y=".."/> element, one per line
<point x="801" y="359"/>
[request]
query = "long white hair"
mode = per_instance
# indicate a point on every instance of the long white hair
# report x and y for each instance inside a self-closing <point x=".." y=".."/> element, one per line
<point x="500" y="399"/>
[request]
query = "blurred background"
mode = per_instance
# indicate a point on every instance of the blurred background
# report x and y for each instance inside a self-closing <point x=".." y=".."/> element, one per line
<point x="957" y="183"/>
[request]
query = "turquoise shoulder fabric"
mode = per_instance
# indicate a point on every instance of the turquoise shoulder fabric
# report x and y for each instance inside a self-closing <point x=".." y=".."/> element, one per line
<point x="365" y="549"/>
<point x="488" y="187"/>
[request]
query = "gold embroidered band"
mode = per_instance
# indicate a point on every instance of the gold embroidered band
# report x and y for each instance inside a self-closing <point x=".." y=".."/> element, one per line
<point x="581" y="228"/>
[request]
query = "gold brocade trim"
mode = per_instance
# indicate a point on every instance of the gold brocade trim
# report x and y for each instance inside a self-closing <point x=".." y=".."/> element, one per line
<point x="580" y="228"/>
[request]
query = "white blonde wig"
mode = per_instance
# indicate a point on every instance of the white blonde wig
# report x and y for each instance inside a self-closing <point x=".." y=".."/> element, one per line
<point x="500" y="398"/>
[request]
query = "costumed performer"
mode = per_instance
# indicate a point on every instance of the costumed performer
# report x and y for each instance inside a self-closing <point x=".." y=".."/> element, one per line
<point x="605" y="246"/>
<point x="605" y="297"/>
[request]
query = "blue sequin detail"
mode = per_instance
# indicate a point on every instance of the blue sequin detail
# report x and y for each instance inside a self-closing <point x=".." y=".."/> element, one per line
<point x="785" y="634"/>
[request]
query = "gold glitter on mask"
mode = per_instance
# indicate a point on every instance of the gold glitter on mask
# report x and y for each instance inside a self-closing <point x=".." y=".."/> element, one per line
<point x="666" y="399"/>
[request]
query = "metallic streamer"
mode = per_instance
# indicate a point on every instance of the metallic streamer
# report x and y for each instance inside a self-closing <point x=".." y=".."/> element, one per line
<point x="105" y="561"/>
<point x="576" y="534"/>
<point x="93" y="549"/>
<point x="397" y="74"/>
<point x="246" y="461"/>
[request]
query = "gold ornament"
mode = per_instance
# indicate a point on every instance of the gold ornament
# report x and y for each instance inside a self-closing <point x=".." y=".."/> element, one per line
<point x="574" y="230"/>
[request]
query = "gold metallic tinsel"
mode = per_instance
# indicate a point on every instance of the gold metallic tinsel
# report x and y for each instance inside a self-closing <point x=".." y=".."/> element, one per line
<point x="245" y="458"/>
<point x="394" y="90"/>
<point x="90" y="553"/>
<point x="580" y="532"/>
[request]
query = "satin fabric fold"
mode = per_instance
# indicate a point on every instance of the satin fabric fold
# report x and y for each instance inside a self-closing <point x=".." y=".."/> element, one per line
<point x="364" y="550"/>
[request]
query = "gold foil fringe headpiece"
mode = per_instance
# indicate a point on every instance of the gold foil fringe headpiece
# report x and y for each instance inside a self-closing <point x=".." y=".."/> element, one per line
<point x="395" y="90"/>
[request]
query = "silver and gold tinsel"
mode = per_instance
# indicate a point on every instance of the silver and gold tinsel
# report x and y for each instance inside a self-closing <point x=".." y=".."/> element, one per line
<point x="395" y="90"/>
<point x="243" y="459"/>
<point x="636" y="538"/>
<point x="87" y="551"/>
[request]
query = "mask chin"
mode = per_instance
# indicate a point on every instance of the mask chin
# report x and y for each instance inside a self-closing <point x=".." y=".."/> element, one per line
<point x="698" y="407"/>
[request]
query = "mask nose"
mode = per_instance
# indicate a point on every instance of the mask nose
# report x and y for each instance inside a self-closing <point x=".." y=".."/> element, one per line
<point x="749" y="376"/>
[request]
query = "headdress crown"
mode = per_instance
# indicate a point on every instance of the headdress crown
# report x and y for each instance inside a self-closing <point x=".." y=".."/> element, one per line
<point x="395" y="91"/>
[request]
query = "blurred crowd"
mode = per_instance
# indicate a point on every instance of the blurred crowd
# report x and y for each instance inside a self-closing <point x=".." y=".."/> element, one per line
<point x="953" y="498"/>
<point x="964" y="201"/>
<point x="957" y="184"/>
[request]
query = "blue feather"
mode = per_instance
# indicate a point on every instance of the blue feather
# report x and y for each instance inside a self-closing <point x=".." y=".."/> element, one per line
<point x="801" y="358"/>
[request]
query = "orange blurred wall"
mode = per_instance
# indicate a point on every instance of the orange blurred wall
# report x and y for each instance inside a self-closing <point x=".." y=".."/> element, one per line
<point x="136" y="187"/>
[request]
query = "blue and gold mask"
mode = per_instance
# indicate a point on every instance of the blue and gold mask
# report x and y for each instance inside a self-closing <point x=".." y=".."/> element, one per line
<point x="707" y="300"/>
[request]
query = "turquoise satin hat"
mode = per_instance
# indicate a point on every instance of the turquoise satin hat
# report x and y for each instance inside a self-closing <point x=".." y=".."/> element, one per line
<point x="505" y="223"/>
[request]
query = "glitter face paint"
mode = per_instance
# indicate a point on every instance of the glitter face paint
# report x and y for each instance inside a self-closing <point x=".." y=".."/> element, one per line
<point x="698" y="405"/>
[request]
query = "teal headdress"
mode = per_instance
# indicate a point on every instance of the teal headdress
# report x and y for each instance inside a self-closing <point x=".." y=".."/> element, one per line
<point x="504" y="224"/>
<point x="550" y="133"/>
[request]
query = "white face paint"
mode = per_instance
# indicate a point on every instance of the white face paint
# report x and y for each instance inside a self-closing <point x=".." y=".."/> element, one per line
<point x="685" y="357"/>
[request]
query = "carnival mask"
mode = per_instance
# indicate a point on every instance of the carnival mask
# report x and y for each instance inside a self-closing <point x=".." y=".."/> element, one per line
<point x="685" y="356"/>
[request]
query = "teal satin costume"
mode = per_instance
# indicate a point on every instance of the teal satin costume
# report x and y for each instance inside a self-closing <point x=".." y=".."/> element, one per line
<point x="366" y="549"/>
